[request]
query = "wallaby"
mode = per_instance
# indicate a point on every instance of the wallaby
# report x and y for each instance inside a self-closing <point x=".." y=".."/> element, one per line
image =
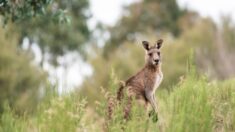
<point x="142" y="86"/>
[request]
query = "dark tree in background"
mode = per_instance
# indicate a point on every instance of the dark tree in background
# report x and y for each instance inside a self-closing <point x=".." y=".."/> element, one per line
<point x="59" y="38"/>
<point x="57" y="27"/>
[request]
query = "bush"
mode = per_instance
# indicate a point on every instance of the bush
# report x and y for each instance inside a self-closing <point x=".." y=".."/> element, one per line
<point x="194" y="105"/>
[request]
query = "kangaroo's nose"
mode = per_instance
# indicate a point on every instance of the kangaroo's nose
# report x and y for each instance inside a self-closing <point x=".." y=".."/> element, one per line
<point x="156" y="61"/>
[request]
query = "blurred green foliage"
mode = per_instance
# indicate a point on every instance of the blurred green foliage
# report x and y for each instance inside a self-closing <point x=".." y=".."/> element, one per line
<point x="15" y="10"/>
<point x="20" y="80"/>
<point x="57" y="27"/>
<point x="57" y="39"/>
<point x="62" y="28"/>
<point x="149" y="17"/>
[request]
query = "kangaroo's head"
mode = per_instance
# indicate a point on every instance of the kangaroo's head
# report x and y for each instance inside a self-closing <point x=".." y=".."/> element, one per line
<point x="153" y="54"/>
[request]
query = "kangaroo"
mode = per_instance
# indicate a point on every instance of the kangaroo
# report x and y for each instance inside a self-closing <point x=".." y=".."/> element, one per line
<point x="142" y="86"/>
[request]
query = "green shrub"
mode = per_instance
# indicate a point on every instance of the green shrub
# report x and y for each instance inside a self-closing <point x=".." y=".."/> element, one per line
<point x="194" y="105"/>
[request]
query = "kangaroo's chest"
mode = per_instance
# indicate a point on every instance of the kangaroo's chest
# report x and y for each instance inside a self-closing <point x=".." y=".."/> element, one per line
<point x="158" y="80"/>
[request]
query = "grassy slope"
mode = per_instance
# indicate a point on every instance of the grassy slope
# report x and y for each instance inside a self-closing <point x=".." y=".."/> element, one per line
<point x="195" y="105"/>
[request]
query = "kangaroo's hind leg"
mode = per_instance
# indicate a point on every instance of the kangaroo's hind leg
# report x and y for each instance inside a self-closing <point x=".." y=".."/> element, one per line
<point x="127" y="108"/>
<point x="155" y="102"/>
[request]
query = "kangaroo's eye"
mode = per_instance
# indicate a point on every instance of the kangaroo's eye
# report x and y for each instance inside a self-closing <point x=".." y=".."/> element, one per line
<point x="150" y="54"/>
<point x="158" y="53"/>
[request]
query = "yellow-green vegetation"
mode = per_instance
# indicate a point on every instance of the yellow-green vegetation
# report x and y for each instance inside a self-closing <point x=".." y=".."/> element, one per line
<point x="20" y="80"/>
<point x="194" y="105"/>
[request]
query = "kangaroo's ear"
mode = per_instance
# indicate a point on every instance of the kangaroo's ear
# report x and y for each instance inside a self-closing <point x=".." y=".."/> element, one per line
<point x="159" y="43"/>
<point x="145" y="45"/>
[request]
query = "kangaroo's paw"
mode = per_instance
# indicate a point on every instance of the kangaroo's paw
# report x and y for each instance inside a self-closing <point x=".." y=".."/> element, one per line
<point x="153" y="115"/>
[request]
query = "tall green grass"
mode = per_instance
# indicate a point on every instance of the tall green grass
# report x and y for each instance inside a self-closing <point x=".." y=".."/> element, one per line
<point x="194" y="105"/>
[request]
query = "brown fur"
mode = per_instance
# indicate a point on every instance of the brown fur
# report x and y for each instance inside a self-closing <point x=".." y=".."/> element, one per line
<point x="142" y="86"/>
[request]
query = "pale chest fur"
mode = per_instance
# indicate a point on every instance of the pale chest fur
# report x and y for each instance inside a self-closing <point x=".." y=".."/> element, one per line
<point x="158" y="80"/>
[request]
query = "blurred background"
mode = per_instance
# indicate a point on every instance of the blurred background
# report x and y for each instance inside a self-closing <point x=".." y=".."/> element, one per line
<point x="73" y="46"/>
